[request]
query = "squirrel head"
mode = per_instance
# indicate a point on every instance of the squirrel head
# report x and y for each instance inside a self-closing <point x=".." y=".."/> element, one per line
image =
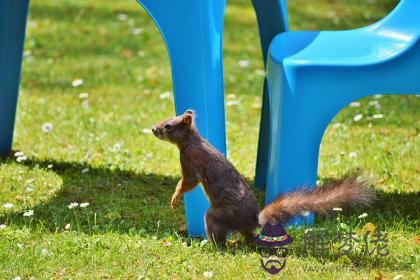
<point x="176" y="129"/>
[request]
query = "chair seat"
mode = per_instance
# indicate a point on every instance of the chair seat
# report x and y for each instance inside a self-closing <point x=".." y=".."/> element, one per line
<point x="339" y="48"/>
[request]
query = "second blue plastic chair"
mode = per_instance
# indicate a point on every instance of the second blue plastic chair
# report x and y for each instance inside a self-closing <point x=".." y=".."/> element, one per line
<point x="313" y="75"/>
<point x="192" y="31"/>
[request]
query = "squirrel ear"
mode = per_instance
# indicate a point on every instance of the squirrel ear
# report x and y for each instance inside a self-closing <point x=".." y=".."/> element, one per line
<point x="189" y="112"/>
<point x="187" y="119"/>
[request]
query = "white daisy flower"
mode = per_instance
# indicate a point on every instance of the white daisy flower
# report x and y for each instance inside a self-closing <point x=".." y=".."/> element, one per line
<point x="2" y="226"/>
<point x="165" y="95"/>
<point x="308" y="230"/>
<point x="378" y="116"/>
<point x="19" y="154"/>
<point x="364" y="215"/>
<point x="116" y="147"/>
<point x="73" y="205"/>
<point x="352" y="155"/>
<point x="47" y="127"/>
<point x="358" y="117"/>
<point x="83" y="95"/>
<point x="77" y="83"/>
<point x="243" y="63"/>
<point x="28" y="213"/>
<point x="84" y="204"/>
<point x="67" y="227"/>
<point x="50" y="166"/>
<point x="8" y="205"/>
<point x="30" y="188"/>
<point x="85" y="170"/>
<point x="21" y="158"/>
<point x="20" y="246"/>
<point x="44" y="251"/>
<point x="233" y="103"/>
<point x="17" y="278"/>
<point x="147" y="131"/>
<point x="138" y="31"/>
<point x="208" y="274"/>
<point x="122" y="17"/>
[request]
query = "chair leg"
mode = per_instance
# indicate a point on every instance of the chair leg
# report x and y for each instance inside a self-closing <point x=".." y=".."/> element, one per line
<point x="272" y="20"/>
<point x="192" y="31"/>
<point x="12" y="34"/>
<point x="260" y="180"/>
<point x="299" y="119"/>
<point x="298" y="124"/>
<point x="293" y="160"/>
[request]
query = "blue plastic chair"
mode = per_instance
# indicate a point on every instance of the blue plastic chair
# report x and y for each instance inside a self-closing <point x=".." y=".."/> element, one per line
<point x="12" y="34"/>
<point x="192" y="31"/>
<point x="313" y="75"/>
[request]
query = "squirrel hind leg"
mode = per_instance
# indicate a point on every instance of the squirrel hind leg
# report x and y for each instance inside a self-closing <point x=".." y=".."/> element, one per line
<point x="248" y="234"/>
<point x="216" y="230"/>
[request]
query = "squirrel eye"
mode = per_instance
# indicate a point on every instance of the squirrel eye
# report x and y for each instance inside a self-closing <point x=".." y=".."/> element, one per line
<point x="168" y="127"/>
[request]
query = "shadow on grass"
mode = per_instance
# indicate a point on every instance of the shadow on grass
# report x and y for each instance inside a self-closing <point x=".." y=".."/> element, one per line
<point x="390" y="210"/>
<point x="138" y="203"/>
<point x="125" y="201"/>
<point x="121" y="201"/>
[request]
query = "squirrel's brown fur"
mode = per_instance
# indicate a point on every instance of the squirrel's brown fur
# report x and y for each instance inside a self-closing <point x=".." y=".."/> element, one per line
<point x="232" y="205"/>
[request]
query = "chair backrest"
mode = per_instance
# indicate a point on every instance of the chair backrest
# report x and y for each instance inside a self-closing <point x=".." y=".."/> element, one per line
<point x="402" y="26"/>
<point x="404" y="20"/>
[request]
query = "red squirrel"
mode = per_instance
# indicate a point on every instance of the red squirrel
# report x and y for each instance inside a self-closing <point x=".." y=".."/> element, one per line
<point x="232" y="204"/>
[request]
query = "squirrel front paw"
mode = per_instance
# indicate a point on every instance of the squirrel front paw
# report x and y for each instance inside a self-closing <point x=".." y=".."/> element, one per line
<point x="174" y="200"/>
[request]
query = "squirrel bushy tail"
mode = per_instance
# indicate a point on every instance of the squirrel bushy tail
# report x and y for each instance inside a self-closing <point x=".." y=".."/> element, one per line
<point x="350" y="191"/>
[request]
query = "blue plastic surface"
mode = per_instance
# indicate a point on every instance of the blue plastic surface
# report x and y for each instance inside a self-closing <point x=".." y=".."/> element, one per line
<point x="192" y="31"/>
<point x="12" y="34"/>
<point x="272" y="20"/>
<point x="313" y="75"/>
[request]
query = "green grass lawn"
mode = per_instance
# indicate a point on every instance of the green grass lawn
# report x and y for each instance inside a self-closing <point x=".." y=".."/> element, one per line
<point x="98" y="152"/>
